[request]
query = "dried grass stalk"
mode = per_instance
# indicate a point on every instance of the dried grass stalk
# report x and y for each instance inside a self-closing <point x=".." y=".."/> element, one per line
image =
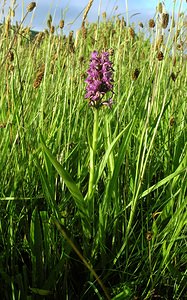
<point x="86" y="11"/>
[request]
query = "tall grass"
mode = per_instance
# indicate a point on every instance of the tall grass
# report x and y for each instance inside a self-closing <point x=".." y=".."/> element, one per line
<point x="130" y="243"/>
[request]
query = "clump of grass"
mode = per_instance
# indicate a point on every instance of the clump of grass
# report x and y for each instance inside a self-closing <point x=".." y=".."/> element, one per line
<point x="133" y="242"/>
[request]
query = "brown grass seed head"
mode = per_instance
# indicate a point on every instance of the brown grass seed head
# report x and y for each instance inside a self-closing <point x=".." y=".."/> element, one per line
<point x="151" y="23"/>
<point x="131" y="32"/>
<point x="39" y="77"/>
<point x="84" y="31"/>
<point x="179" y="47"/>
<point x="70" y="37"/>
<point x="160" y="56"/>
<point x="61" y="24"/>
<point x="40" y="36"/>
<point x="31" y="6"/>
<point x="173" y="76"/>
<point x="52" y="29"/>
<point x="164" y="20"/>
<point x="172" y="121"/>
<point x="11" y="56"/>
<point x="38" y="80"/>
<point x="123" y="22"/>
<point x="135" y="74"/>
<point x="49" y="24"/>
<point x="149" y="236"/>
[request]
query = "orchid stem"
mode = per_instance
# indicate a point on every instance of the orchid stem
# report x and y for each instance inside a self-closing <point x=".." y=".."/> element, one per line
<point x="93" y="150"/>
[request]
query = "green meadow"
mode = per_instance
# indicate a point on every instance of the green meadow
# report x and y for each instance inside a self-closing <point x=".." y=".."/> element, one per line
<point x="93" y="202"/>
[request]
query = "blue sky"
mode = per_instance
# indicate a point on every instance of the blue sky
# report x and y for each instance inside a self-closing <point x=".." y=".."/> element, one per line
<point x="70" y="10"/>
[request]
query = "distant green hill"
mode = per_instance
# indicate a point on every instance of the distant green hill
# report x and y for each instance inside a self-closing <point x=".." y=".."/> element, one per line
<point x="33" y="33"/>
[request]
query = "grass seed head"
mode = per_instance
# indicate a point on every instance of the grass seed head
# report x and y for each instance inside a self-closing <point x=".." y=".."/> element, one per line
<point x="179" y="47"/>
<point x="39" y="77"/>
<point x="160" y="56"/>
<point x="111" y="51"/>
<point x="123" y="22"/>
<point x="173" y="76"/>
<point x="151" y="23"/>
<point x="131" y="32"/>
<point x="71" y="43"/>
<point x="172" y="22"/>
<point x="172" y="121"/>
<point x="39" y="37"/>
<point x="7" y="26"/>
<point x="11" y="56"/>
<point x="104" y="16"/>
<point x="61" y="24"/>
<point x="12" y="12"/>
<point x="160" y="7"/>
<point x="71" y="36"/>
<point x="159" y="41"/>
<point x="149" y="236"/>
<point x="31" y="6"/>
<point x="84" y="31"/>
<point x="49" y="22"/>
<point x="52" y="29"/>
<point x="164" y="20"/>
<point x="140" y="24"/>
<point x="135" y="74"/>
<point x="46" y="32"/>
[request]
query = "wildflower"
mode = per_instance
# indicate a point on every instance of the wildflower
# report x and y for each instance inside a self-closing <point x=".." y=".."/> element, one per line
<point x="99" y="80"/>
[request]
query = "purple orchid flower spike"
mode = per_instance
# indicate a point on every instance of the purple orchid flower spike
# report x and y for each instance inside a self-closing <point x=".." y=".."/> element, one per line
<point x="99" y="80"/>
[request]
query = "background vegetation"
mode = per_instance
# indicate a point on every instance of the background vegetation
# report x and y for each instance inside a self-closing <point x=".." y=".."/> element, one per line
<point x="128" y="239"/>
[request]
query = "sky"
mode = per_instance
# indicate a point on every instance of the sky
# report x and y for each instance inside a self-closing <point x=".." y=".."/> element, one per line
<point x="72" y="11"/>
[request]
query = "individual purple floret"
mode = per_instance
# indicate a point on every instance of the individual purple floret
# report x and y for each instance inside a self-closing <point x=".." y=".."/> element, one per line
<point x="99" y="80"/>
